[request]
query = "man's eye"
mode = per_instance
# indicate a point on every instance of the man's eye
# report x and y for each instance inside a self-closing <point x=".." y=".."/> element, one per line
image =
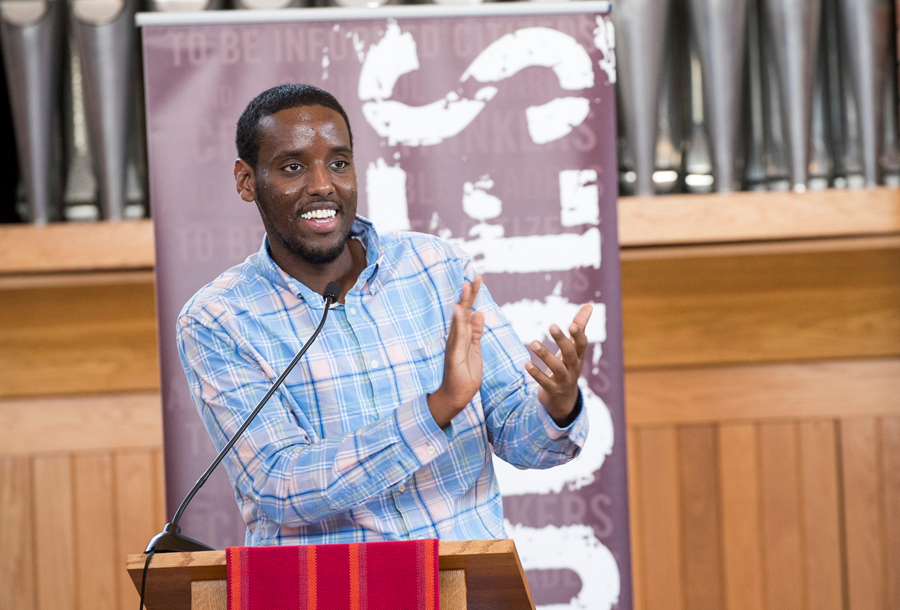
<point x="293" y="167"/>
<point x="341" y="164"/>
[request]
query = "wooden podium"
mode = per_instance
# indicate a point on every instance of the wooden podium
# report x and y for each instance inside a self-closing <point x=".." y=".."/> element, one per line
<point x="475" y="575"/>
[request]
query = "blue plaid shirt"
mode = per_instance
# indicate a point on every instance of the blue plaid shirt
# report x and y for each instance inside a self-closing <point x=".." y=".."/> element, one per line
<point x="347" y="450"/>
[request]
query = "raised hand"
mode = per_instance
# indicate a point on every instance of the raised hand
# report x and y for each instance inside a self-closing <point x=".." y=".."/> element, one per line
<point x="559" y="387"/>
<point x="462" y="358"/>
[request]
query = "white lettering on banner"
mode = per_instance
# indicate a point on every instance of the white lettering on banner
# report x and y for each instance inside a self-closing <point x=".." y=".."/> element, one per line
<point x="425" y="125"/>
<point x="534" y="47"/>
<point x="533" y="253"/>
<point x="572" y="547"/>
<point x="605" y="42"/>
<point x="481" y="205"/>
<point x="386" y="61"/>
<point x="395" y="55"/>
<point x="573" y="475"/>
<point x="386" y="191"/>
<point x="579" y="197"/>
<point x="556" y="119"/>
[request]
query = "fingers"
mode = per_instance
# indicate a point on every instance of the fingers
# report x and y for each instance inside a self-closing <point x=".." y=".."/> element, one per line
<point x="576" y="329"/>
<point x="469" y="292"/>
<point x="558" y="368"/>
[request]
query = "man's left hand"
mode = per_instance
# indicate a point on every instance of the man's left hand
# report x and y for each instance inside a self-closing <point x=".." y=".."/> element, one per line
<point x="559" y="386"/>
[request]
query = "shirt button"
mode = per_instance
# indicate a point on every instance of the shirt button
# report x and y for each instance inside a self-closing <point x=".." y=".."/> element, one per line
<point x="430" y="449"/>
<point x="374" y="364"/>
<point x="353" y="311"/>
<point x="402" y="488"/>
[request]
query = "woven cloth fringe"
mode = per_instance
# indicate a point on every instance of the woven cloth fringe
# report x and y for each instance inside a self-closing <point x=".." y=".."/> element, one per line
<point x="401" y="575"/>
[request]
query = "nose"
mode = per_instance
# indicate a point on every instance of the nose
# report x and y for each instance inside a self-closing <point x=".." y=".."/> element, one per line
<point x="319" y="180"/>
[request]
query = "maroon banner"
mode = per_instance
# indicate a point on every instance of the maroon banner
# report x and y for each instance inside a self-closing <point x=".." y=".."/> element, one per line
<point x="492" y="127"/>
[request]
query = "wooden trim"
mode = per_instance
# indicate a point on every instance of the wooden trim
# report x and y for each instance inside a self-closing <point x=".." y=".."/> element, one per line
<point x="66" y="280"/>
<point x="94" y="423"/>
<point x="76" y="247"/>
<point x="763" y="392"/>
<point x="658" y="221"/>
<point x="751" y="216"/>
<point x="762" y="248"/>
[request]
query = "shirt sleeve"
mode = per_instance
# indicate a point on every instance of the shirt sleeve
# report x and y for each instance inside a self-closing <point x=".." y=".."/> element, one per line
<point x="294" y="479"/>
<point x="520" y="429"/>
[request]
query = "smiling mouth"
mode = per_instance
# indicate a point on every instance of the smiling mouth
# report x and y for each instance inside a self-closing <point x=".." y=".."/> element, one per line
<point x="319" y="215"/>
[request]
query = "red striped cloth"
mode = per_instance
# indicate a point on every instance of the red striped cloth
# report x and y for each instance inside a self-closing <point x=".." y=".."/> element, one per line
<point x="369" y="576"/>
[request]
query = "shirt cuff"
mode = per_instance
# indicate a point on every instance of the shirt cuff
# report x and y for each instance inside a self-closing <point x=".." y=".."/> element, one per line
<point x="419" y="431"/>
<point x="572" y="430"/>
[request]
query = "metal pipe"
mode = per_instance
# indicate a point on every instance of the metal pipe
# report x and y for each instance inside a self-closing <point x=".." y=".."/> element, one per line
<point x="105" y="33"/>
<point x="719" y="27"/>
<point x="866" y="25"/>
<point x="794" y="29"/>
<point x="641" y="29"/>
<point x="32" y="50"/>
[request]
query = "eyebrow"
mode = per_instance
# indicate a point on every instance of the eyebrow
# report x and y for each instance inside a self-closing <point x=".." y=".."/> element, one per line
<point x="300" y="151"/>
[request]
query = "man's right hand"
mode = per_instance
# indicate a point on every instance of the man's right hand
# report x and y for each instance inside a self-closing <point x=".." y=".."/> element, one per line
<point x="462" y="359"/>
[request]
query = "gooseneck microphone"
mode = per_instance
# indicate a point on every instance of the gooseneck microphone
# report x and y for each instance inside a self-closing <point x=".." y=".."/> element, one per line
<point x="170" y="539"/>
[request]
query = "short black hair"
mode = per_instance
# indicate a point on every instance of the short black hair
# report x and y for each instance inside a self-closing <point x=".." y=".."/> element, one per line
<point x="275" y="100"/>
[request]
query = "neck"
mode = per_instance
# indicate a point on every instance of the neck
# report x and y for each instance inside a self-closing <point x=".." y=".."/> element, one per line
<point x="345" y="269"/>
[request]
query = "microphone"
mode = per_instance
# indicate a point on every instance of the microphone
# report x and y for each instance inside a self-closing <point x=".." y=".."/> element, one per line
<point x="170" y="539"/>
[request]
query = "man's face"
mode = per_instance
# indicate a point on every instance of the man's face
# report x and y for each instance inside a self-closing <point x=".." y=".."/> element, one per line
<point x="305" y="183"/>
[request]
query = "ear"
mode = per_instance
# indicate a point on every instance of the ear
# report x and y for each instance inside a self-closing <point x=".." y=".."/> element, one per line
<point x="245" y="180"/>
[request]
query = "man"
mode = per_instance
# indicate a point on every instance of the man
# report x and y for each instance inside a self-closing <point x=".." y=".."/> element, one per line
<point x="385" y="428"/>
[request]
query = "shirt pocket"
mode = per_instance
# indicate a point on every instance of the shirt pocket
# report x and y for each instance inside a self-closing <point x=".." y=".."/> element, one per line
<point x="427" y="363"/>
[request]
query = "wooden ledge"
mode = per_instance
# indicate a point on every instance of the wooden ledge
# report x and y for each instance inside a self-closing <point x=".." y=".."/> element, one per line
<point x="70" y="246"/>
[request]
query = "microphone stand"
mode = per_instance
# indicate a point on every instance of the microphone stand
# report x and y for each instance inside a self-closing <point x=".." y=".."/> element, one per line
<point x="170" y="540"/>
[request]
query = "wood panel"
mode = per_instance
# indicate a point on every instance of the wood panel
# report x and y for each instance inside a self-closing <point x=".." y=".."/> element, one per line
<point x="890" y="446"/>
<point x="661" y="518"/>
<point x="54" y="533"/>
<point x="700" y="517"/>
<point x="772" y="391"/>
<point x="864" y="521"/>
<point x="79" y="339"/>
<point x="136" y="517"/>
<point x="79" y="423"/>
<point x="635" y="512"/>
<point x="741" y="544"/>
<point x="737" y="309"/>
<point x="17" y="570"/>
<point x="782" y="526"/>
<point x="821" y="514"/>
<point x="95" y="531"/>
<point x="756" y="216"/>
<point x="76" y="247"/>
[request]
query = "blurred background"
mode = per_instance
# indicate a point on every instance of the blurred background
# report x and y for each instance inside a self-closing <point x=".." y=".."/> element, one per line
<point x="713" y="97"/>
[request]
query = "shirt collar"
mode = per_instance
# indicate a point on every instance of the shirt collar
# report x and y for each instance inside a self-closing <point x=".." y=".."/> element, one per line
<point x="370" y="280"/>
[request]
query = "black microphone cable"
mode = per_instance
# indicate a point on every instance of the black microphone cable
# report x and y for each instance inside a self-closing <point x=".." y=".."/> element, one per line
<point x="170" y="539"/>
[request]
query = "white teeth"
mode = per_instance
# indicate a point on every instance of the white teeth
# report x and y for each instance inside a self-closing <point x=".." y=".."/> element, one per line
<point x="318" y="214"/>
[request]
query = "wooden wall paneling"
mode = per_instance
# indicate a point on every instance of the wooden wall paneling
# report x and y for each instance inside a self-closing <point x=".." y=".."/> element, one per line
<point x="782" y="526"/>
<point x="95" y="531"/>
<point x="54" y="532"/>
<point x="739" y="487"/>
<point x="890" y="447"/>
<point x="763" y="392"/>
<point x="78" y="339"/>
<point x="661" y="518"/>
<point x="635" y="510"/>
<point x="79" y="423"/>
<point x="17" y="569"/>
<point x="700" y="517"/>
<point x="821" y="514"/>
<point x="135" y="506"/>
<point x="159" y="496"/>
<point x="864" y="523"/>
<point x="737" y="310"/>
